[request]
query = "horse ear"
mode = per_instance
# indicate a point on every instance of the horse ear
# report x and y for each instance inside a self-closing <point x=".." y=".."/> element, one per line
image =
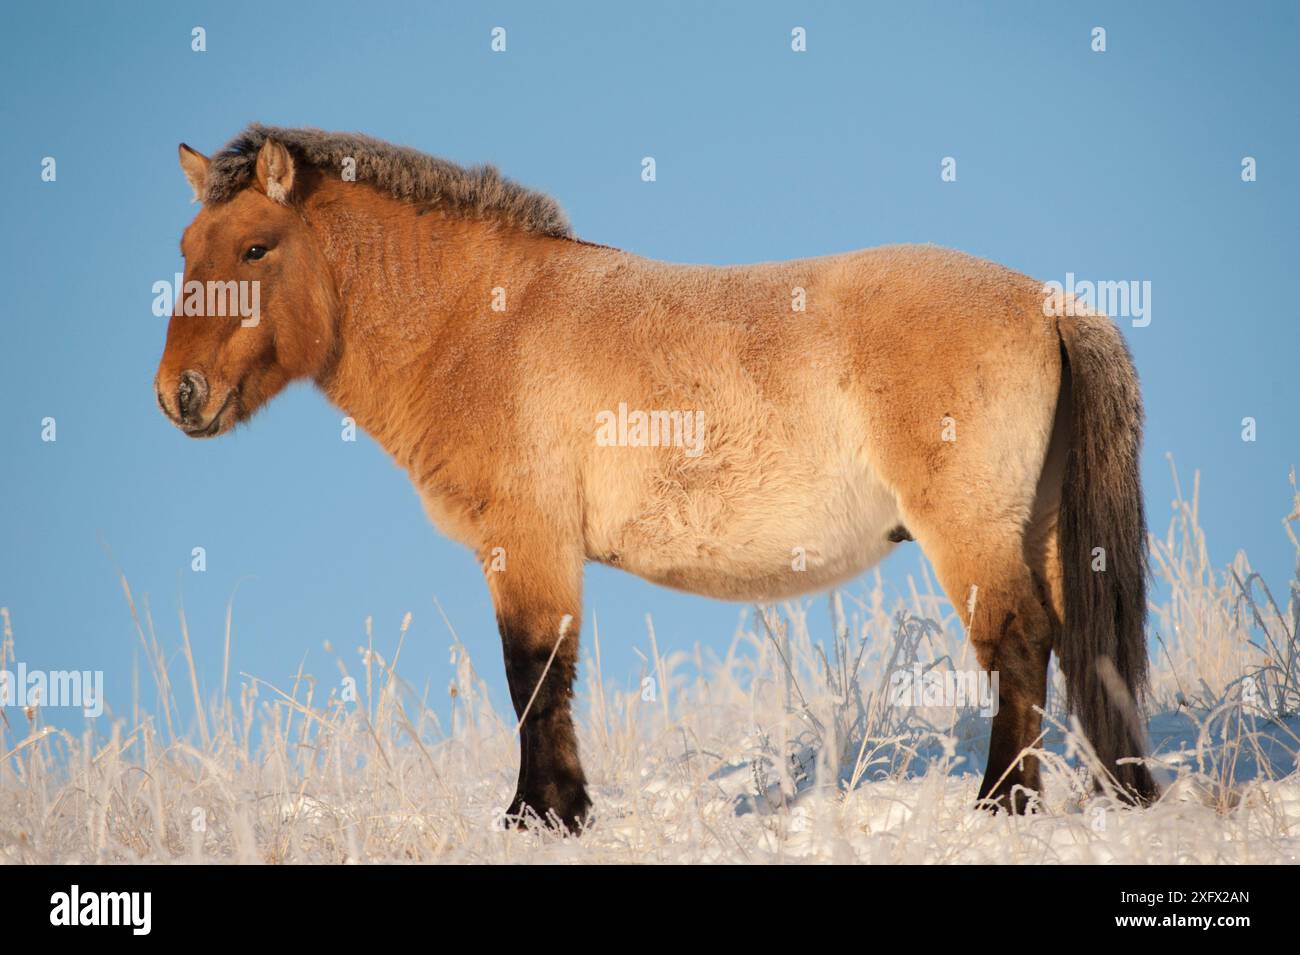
<point x="275" y="171"/>
<point x="195" y="166"/>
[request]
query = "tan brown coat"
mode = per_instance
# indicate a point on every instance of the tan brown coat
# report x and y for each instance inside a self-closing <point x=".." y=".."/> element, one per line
<point x="835" y="400"/>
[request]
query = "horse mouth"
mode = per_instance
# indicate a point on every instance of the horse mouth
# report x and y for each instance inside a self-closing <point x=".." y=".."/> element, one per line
<point x="216" y="425"/>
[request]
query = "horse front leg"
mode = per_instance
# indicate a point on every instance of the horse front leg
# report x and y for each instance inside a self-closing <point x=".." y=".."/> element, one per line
<point x="538" y="606"/>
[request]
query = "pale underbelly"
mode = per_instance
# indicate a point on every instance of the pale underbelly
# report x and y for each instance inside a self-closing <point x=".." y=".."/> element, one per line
<point x="766" y="547"/>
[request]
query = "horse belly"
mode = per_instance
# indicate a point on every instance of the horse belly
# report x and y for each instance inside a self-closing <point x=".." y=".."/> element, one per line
<point x="767" y="542"/>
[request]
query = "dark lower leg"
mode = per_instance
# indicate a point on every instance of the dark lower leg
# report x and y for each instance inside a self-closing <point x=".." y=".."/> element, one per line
<point x="551" y="781"/>
<point x="1011" y="777"/>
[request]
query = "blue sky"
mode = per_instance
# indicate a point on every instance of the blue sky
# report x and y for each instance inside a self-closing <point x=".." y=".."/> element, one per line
<point x="1116" y="165"/>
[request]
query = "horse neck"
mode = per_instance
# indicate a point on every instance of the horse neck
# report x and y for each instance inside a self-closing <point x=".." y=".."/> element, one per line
<point x="415" y="291"/>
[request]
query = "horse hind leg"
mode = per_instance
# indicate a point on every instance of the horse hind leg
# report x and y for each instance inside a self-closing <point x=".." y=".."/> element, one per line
<point x="984" y="572"/>
<point x="1031" y="605"/>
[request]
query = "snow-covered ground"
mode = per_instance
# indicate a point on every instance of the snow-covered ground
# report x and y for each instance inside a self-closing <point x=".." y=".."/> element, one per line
<point x="786" y="749"/>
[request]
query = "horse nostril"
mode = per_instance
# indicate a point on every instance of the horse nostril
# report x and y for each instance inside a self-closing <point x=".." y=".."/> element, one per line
<point x="191" y="392"/>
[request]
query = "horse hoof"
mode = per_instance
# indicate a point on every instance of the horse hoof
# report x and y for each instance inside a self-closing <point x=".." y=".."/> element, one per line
<point x="570" y="815"/>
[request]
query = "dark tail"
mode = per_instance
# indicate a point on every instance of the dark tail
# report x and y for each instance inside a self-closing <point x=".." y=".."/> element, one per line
<point x="1102" y="645"/>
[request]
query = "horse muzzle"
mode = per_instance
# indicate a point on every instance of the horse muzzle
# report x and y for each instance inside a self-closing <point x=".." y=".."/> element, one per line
<point x="186" y="405"/>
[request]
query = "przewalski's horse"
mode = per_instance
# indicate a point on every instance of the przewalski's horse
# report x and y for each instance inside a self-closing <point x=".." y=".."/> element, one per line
<point x="557" y="402"/>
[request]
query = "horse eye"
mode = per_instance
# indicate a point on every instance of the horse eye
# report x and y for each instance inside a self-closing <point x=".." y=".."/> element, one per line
<point x="255" y="253"/>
